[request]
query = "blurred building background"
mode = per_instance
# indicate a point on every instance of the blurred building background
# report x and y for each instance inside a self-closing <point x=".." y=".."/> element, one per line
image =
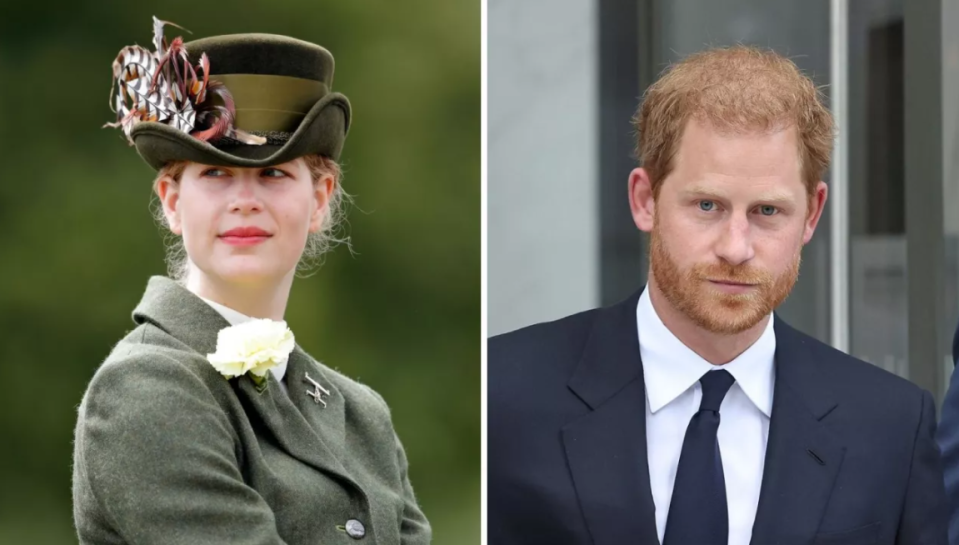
<point x="879" y="279"/>
<point x="78" y="244"/>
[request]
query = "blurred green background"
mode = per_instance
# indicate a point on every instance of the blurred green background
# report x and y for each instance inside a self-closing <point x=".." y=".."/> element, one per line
<point x="402" y="315"/>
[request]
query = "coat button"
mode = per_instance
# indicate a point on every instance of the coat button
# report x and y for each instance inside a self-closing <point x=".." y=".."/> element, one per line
<point x="355" y="529"/>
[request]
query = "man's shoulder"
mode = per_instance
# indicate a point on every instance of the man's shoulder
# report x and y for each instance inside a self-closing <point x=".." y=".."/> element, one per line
<point x="851" y="376"/>
<point x="529" y="372"/>
<point x="558" y="339"/>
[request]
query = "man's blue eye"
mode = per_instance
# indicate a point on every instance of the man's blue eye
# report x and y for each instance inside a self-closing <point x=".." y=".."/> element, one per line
<point x="706" y="206"/>
<point x="767" y="210"/>
<point x="273" y="173"/>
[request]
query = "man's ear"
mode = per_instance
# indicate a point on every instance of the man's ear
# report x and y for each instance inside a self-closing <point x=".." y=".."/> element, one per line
<point x="817" y="202"/>
<point x="641" y="201"/>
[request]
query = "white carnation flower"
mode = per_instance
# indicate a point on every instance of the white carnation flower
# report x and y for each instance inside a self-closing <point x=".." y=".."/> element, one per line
<point x="255" y="347"/>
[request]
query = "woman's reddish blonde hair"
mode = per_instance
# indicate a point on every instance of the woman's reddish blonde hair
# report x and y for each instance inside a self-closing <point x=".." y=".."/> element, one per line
<point x="738" y="89"/>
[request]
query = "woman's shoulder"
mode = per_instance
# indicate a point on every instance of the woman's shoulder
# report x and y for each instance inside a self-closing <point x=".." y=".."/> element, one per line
<point x="147" y="363"/>
<point x="353" y="390"/>
<point x="147" y="388"/>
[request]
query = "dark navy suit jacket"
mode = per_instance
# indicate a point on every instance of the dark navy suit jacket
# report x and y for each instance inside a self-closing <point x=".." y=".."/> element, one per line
<point x="948" y="436"/>
<point x="851" y="457"/>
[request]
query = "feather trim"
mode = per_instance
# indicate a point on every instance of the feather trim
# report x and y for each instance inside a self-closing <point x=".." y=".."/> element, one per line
<point x="163" y="86"/>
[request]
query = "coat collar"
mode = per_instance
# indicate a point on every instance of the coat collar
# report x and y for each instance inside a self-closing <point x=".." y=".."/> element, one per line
<point x="610" y="359"/>
<point x="606" y="448"/>
<point x="803" y="454"/>
<point x="179" y="312"/>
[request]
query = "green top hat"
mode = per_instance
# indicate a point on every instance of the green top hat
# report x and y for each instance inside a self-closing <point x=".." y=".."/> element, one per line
<point x="253" y="100"/>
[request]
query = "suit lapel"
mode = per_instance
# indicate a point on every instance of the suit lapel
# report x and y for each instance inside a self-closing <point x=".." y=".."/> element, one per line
<point x="606" y="448"/>
<point x="803" y="456"/>
<point x="303" y="429"/>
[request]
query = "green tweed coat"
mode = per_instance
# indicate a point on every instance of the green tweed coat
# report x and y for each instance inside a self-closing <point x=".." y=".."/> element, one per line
<point x="169" y="452"/>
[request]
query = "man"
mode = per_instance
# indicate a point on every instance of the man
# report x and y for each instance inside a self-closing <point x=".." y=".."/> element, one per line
<point x="689" y="414"/>
<point x="948" y="438"/>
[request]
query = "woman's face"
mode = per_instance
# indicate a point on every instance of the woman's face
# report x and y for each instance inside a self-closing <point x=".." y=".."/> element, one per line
<point x="245" y="225"/>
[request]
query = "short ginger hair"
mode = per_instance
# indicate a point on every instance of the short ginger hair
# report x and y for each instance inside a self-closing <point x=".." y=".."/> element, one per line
<point x="736" y="89"/>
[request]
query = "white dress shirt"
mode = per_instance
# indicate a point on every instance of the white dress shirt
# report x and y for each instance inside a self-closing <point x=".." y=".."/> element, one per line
<point x="235" y="318"/>
<point x="672" y="371"/>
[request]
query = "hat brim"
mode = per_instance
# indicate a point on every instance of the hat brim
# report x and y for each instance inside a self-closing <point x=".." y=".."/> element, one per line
<point x="322" y="131"/>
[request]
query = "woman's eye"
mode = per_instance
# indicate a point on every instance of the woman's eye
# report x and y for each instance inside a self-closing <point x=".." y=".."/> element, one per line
<point x="707" y="206"/>
<point x="273" y="173"/>
<point x="214" y="172"/>
<point x="767" y="210"/>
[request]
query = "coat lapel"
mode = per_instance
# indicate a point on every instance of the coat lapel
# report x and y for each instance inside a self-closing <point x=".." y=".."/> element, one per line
<point x="288" y="425"/>
<point x="803" y="455"/>
<point x="305" y="430"/>
<point x="328" y="422"/>
<point x="606" y="448"/>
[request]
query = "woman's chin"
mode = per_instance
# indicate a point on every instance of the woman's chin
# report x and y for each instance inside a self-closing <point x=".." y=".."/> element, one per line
<point x="251" y="273"/>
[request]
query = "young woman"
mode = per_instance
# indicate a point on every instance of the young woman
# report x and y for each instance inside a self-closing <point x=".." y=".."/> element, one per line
<point x="207" y="423"/>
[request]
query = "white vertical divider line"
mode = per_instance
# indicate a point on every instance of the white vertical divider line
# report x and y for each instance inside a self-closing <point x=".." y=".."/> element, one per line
<point x="484" y="259"/>
<point x="839" y="183"/>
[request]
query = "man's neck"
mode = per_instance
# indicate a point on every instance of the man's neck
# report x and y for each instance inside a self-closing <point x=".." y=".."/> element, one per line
<point x="716" y="348"/>
<point x="266" y="300"/>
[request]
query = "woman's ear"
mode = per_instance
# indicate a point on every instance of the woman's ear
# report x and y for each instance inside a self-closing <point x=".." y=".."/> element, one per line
<point x="169" y="192"/>
<point x="322" y="192"/>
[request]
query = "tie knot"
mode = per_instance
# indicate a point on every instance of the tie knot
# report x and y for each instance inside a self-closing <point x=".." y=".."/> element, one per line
<point x="715" y="385"/>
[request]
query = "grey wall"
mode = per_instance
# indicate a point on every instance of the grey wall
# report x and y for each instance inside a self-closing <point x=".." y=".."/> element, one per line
<point x="543" y="237"/>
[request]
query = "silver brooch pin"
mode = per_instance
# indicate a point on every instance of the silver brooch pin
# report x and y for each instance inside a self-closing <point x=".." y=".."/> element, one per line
<point x="317" y="391"/>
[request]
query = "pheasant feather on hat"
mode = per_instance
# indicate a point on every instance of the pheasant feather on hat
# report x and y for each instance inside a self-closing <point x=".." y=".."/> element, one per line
<point x="163" y="86"/>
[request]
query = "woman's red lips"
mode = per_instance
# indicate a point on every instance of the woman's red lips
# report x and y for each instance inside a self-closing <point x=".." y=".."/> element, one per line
<point x="245" y="232"/>
<point x="245" y="236"/>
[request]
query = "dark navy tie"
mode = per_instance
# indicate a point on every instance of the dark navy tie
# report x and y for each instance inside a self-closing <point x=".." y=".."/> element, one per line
<point x="697" y="512"/>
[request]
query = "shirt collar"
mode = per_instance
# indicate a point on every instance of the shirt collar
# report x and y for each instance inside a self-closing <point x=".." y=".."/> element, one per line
<point x="235" y="318"/>
<point x="670" y="367"/>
